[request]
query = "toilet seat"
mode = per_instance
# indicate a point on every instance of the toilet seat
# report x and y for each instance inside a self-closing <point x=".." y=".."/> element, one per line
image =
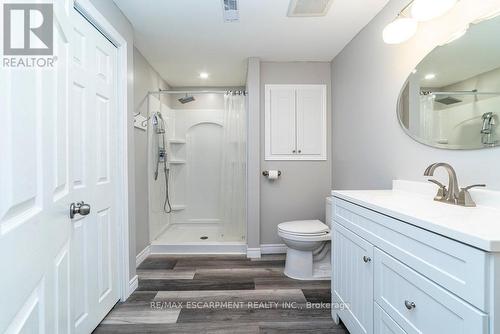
<point x="304" y="228"/>
<point x="305" y="237"/>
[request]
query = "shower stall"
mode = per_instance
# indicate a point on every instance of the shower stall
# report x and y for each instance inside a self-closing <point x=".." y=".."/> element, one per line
<point x="197" y="171"/>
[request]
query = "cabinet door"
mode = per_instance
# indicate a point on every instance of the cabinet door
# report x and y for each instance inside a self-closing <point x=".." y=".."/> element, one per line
<point x="311" y="121"/>
<point x="352" y="280"/>
<point x="280" y="122"/>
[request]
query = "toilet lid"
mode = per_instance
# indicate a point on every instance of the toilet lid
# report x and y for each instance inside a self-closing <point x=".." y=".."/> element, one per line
<point x="304" y="227"/>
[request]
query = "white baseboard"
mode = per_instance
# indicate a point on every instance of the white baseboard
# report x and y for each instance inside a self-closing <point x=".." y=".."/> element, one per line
<point x="142" y="256"/>
<point x="133" y="284"/>
<point x="273" y="248"/>
<point x="253" y="253"/>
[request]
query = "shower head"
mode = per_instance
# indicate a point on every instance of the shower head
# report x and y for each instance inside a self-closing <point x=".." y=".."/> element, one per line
<point x="186" y="99"/>
<point x="448" y="100"/>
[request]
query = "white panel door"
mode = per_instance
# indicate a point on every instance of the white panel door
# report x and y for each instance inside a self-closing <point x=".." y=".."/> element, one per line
<point x="35" y="191"/>
<point x="353" y="280"/>
<point x="56" y="147"/>
<point x="311" y="121"/>
<point x="94" y="246"/>
<point x="280" y="121"/>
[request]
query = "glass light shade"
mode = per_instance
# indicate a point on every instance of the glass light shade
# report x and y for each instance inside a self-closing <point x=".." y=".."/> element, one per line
<point x="425" y="10"/>
<point x="400" y="30"/>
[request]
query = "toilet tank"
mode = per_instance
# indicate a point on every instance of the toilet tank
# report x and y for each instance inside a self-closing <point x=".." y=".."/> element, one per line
<point x="328" y="214"/>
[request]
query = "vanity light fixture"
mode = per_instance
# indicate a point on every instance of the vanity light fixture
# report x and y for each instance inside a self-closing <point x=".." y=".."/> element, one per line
<point x="425" y="10"/>
<point x="405" y="25"/>
<point x="400" y="30"/>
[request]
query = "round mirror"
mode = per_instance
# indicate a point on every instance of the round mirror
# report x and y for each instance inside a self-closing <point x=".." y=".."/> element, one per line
<point x="452" y="98"/>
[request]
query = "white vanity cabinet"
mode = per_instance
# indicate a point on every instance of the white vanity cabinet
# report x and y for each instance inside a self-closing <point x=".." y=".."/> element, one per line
<point x="295" y="122"/>
<point x="391" y="276"/>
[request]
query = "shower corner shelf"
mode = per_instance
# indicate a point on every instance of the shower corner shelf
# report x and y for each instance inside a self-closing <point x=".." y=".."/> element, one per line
<point x="177" y="141"/>
<point x="178" y="207"/>
<point x="177" y="162"/>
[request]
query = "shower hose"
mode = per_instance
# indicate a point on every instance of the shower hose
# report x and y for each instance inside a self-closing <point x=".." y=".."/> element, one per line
<point x="167" y="197"/>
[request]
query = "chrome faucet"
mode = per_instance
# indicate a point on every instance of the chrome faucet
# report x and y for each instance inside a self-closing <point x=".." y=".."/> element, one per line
<point x="452" y="194"/>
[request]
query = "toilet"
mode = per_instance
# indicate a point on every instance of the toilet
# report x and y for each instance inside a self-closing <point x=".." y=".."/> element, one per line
<point x="308" y="247"/>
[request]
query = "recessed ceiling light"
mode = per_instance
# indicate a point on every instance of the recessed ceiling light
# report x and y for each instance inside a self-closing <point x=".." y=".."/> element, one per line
<point x="203" y="75"/>
<point x="430" y="76"/>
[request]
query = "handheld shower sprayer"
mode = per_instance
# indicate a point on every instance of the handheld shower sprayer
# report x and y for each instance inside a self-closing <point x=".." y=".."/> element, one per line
<point x="487" y="128"/>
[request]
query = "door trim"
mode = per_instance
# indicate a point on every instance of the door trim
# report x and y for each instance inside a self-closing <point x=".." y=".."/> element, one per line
<point x="85" y="8"/>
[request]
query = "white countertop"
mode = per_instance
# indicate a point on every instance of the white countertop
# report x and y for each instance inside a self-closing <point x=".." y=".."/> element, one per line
<point x="412" y="202"/>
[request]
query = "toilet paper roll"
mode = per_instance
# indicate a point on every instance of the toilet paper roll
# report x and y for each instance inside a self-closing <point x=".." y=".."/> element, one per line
<point x="273" y="175"/>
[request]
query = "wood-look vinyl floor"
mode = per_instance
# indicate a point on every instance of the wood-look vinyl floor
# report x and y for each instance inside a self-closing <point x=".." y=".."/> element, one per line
<point x="221" y="294"/>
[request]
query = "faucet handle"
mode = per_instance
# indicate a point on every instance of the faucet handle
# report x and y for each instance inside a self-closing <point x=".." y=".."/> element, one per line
<point x="464" y="197"/>
<point x="442" y="190"/>
<point x="473" y="186"/>
<point x="439" y="184"/>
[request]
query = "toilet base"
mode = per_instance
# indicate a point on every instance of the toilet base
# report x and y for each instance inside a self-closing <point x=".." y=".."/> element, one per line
<point x="303" y="265"/>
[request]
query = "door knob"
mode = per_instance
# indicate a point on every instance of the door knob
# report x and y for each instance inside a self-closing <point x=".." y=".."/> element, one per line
<point x="78" y="208"/>
<point x="410" y="305"/>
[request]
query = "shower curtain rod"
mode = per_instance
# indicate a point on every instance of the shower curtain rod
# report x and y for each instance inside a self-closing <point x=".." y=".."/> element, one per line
<point x="197" y="91"/>
<point x="467" y="92"/>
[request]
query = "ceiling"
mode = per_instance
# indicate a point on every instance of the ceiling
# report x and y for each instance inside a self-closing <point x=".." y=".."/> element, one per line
<point x="181" y="38"/>
<point x="474" y="53"/>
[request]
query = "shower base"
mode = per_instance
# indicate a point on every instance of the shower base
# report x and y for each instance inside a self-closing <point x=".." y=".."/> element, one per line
<point x="197" y="238"/>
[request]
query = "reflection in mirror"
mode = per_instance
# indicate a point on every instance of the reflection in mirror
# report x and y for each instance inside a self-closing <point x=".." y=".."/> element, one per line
<point x="452" y="98"/>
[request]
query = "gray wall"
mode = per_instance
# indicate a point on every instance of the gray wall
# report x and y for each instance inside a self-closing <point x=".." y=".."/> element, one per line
<point x="146" y="79"/>
<point x="253" y="153"/>
<point x="369" y="147"/>
<point x="113" y="14"/>
<point x="301" y="190"/>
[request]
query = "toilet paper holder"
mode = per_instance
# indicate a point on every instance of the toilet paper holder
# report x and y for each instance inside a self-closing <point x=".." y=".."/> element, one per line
<point x="266" y="173"/>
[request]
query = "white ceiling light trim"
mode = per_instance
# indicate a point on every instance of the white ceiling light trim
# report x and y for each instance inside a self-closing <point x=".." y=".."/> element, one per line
<point x="308" y="8"/>
<point x="405" y="25"/>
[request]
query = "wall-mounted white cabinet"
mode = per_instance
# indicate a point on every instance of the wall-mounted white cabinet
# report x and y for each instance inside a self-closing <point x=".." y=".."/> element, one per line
<point x="295" y="122"/>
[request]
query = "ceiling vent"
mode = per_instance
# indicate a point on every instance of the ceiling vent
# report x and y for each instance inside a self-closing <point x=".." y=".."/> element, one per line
<point x="230" y="10"/>
<point x="309" y="8"/>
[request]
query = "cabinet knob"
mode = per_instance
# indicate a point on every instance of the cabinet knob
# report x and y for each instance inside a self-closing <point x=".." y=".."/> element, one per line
<point x="293" y="151"/>
<point x="366" y="259"/>
<point x="410" y="305"/>
<point x="300" y="151"/>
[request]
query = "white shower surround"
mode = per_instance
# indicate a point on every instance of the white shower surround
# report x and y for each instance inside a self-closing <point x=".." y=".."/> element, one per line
<point x="195" y="155"/>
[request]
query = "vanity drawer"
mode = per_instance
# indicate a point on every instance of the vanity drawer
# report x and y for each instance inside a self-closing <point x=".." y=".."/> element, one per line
<point x="458" y="267"/>
<point x="383" y="324"/>
<point x="419" y="305"/>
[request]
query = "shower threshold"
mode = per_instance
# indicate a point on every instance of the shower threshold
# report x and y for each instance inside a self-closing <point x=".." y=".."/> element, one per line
<point x="197" y="248"/>
<point x="197" y="238"/>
